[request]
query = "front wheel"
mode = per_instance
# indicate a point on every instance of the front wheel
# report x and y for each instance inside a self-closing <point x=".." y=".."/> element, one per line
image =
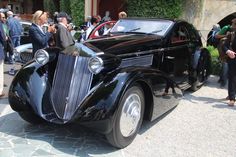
<point x="128" y="118"/>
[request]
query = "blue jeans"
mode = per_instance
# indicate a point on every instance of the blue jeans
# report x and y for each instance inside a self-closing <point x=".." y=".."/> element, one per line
<point x="16" y="41"/>
<point x="224" y="73"/>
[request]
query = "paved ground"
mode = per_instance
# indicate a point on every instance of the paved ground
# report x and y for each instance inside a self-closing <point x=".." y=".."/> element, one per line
<point x="202" y="125"/>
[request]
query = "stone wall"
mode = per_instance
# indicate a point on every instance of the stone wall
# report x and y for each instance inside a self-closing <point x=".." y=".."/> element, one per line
<point x="203" y="14"/>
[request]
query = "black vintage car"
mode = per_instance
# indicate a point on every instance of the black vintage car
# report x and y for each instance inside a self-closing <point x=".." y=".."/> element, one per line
<point x="111" y="84"/>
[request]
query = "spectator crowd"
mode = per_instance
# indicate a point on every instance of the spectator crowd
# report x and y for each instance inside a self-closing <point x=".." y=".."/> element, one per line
<point x="58" y="34"/>
<point x="45" y="31"/>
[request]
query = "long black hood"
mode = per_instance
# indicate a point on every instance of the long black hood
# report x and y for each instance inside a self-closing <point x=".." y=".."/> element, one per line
<point x="120" y="44"/>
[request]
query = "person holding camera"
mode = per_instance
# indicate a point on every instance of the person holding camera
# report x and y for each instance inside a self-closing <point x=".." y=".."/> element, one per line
<point x="63" y="34"/>
<point x="38" y="36"/>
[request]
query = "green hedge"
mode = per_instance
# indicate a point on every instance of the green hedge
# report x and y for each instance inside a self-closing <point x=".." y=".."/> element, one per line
<point x="77" y="11"/>
<point x="155" y="8"/>
<point x="65" y="6"/>
<point x="215" y="63"/>
<point x="49" y="6"/>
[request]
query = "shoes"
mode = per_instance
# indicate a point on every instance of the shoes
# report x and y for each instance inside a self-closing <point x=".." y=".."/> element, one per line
<point x="231" y="103"/>
<point x="12" y="71"/>
<point x="2" y="95"/>
<point x="164" y="94"/>
<point x="227" y="98"/>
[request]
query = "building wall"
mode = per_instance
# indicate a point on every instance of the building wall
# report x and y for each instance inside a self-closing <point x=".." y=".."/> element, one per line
<point x="99" y="7"/>
<point x="210" y="13"/>
<point x="90" y="8"/>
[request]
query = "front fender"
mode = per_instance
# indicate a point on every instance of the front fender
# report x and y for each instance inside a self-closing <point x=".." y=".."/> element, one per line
<point x="102" y="103"/>
<point x="99" y="107"/>
<point x="28" y="88"/>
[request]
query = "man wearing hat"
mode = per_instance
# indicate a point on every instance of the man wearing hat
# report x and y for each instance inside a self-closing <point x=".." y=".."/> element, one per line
<point x="63" y="35"/>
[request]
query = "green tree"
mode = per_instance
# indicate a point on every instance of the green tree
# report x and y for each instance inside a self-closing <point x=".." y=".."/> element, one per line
<point x="49" y="6"/>
<point x="65" y="5"/>
<point x="155" y="8"/>
<point x="77" y="11"/>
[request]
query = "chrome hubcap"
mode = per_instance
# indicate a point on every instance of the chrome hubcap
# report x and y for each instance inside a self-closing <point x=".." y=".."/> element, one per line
<point x="130" y="115"/>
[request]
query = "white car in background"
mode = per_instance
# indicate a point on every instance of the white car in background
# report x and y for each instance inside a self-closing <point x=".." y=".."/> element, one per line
<point x="23" y="53"/>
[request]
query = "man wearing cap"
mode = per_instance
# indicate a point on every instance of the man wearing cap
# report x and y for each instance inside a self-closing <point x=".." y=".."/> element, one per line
<point x="63" y="35"/>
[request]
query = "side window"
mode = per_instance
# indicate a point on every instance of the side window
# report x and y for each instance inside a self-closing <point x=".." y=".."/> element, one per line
<point x="179" y="35"/>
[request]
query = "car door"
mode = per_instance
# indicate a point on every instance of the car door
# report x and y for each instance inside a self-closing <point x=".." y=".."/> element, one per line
<point x="176" y="60"/>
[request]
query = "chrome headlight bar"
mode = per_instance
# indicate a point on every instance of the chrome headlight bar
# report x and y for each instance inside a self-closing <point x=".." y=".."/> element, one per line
<point x="95" y="65"/>
<point x="41" y="57"/>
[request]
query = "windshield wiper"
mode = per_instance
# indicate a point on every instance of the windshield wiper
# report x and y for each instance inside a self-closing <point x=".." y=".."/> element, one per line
<point x="156" y="31"/>
<point x="133" y="30"/>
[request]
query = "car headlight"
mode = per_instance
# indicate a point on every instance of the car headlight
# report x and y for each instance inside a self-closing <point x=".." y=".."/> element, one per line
<point x="95" y="65"/>
<point x="41" y="57"/>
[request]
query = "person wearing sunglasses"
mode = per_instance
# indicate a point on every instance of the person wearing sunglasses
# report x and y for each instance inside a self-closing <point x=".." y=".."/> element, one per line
<point x="39" y="37"/>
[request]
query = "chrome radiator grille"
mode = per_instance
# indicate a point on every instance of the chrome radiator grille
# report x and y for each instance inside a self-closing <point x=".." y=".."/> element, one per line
<point x="72" y="81"/>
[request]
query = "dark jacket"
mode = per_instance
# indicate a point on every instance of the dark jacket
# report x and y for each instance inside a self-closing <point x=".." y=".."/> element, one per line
<point x="38" y="38"/>
<point x="63" y="37"/>
<point x="2" y="41"/>
<point x="230" y="42"/>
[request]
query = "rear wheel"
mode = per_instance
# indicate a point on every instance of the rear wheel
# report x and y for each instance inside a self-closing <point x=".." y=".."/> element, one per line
<point x="31" y="117"/>
<point x="128" y="119"/>
<point x="203" y="70"/>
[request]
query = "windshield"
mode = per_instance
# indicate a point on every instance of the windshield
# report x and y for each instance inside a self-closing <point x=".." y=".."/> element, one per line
<point x="159" y="27"/>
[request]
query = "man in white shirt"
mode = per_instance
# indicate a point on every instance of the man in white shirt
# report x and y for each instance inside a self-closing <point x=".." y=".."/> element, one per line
<point x="94" y="22"/>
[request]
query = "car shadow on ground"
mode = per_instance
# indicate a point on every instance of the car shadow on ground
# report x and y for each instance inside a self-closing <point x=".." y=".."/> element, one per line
<point x="224" y="106"/>
<point x="71" y="139"/>
<point x="207" y="100"/>
<point x="148" y="124"/>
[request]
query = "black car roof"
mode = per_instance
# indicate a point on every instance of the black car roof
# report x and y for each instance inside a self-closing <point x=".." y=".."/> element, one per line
<point x="154" y="19"/>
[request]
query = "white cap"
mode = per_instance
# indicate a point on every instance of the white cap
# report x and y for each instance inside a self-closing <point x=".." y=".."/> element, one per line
<point x="9" y="13"/>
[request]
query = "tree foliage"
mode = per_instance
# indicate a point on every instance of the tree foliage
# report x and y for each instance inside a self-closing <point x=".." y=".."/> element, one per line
<point x="65" y="6"/>
<point x="155" y="8"/>
<point x="49" y="6"/>
<point x="77" y="11"/>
